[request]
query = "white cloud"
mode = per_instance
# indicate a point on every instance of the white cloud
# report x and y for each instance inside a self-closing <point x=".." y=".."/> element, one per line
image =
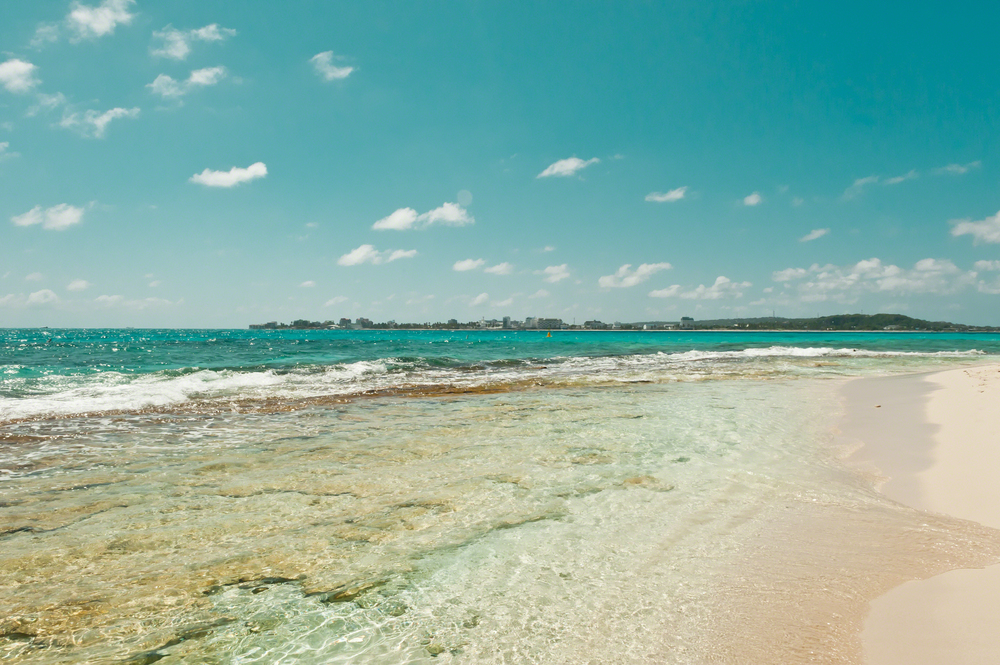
<point x="901" y="178"/>
<point x="481" y="299"/>
<point x="722" y="288"/>
<point x="449" y="214"/>
<point x="668" y="197"/>
<point x="797" y="201"/>
<point x="987" y="265"/>
<point x="958" y="169"/>
<point x="93" y="123"/>
<point x="858" y="186"/>
<point x="155" y="283"/>
<point x="169" y="88"/>
<point x="78" y="285"/>
<point x="548" y="248"/>
<point x="91" y="22"/>
<point x="56" y="218"/>
<point x="34" y="277"/>
<point x="336" y="300"/>
<point x="500" y="269"/>
<point x="323" y="63"/>
<point x="507" y="302"/>
<point x="176" y="44"/>
<point x="18" y="76"/>
<point x="46" y="33"/>
<point x="984" y="230"/>
<point x="467" y="264"/>
<point x="368" y="254"/>
<point x="540" y="293"/>
<point x="308" y="284"/>
<point x="753" y="199"/>
<point x="46" y="103"/>
<point x="230" y="178"/>
<point x="567" y="167"/>
<point x="846" y="283"/>
<point x="625" y="277"/>
<point x="42" y="297"/>
<point x="120" y="302"/>
<point x="814" y="234"/>
<point x="554" y="273"/>
<point x="3" y="151"/>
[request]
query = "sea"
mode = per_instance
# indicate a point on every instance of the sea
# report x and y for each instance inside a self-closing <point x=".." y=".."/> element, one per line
<point x="452" y="496"/>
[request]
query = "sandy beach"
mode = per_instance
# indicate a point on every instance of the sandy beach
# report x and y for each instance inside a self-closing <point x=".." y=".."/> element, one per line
<point x="932" y="438"/>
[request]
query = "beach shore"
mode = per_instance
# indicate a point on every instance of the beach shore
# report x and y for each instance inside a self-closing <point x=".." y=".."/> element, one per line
<point x="933" y="439"/>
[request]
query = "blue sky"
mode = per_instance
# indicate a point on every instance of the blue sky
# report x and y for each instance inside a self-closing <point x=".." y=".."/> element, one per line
<point x="210" y="164"/>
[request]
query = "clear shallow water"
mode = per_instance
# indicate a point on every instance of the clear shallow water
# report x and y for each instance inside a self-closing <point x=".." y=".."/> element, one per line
<point x="650" y="499"/>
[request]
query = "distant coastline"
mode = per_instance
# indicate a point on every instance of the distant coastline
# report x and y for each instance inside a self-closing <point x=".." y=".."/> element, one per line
<point x="834" y="323"/>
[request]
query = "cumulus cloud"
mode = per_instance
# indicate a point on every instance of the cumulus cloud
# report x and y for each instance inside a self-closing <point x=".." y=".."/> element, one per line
<point x="987" y="265"/>
<point x="467" y="264"/>
<point x="554" y="273"/>
<point x="984" y="230"/>
<point x="481" y="299"/>
<point x="169" y="88"/>
<point x="93" y="123"/>
<point x="813" y="235"/>
<point x="18" y="76"/>
<point x="723" y="287"/>
<point x="449" y="214"/>
<point x="42" y="297"/>
<point x="56" y="218"/>
<point x="567" y="167"/>
<point x="78" y="285"/>
<point x="626" y="277"/>
<point x="901" y="178"/>
<point x="845" y="284"/>
<point x="858" y="186"/>
<point x="323" y="64"/>
<point x="500" y="269"/>
<point x="92" y="22"/>
<point x="230" y="178"/>
<point x="667" y="197"/>
<point x="753" y="199"/>
<point x="176" y="44"/>
<point x="958" y="169"/>
<point x="368" y="254"/>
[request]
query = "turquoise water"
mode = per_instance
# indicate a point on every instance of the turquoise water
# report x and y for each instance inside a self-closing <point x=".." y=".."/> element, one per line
<point x="469" y="497"/>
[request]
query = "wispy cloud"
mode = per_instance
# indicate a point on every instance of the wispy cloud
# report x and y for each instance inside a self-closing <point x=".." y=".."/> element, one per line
<point x="176" y="44"/>
<point x="308" y="284"/>
<point x="723" y="287"/>
<point x="230" y="178"/>
<point x="540" y="293"/>
<point x="912" y="175"/>
<point x="554" y="274"/>
<point x="91" y="22"/>
<point x="858" y="186"/>
<point x="626" y="277"/>
<point x="500" y="269"/>
<point x="121" y="302"/>
<point x="667" y="197"/>
<point x="467" y="264"/>
<point x="93" y="124"/>
<point x="56" y="218"/>
<point x="5" y="154"/>
<point x="984" y="230"/>
<point x="336" y="300"/>
<point x="754" y="199"/>
<point x="368" y="254"/>
<point x="449" y="214"/>
<point x="845" y="284"/>
<point x="567" y="167"/>
<point x="78" y="285"/>
<point x="958" y="169"/>
<point x="323" y="64"/>
<point x="481" y="299"/>
<point x="34" y="277"/>
<point x="814" y="234"/>
<point x="18" y="76"/>
<point x="169" y="88"/>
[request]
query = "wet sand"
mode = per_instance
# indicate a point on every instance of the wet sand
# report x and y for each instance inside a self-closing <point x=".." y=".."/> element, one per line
<point x="935" y="441"/>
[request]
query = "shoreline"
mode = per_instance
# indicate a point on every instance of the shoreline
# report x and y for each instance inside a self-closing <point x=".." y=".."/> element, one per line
<point x="926" y="441"/>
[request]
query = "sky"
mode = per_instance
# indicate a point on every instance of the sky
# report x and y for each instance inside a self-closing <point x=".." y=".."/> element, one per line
<point x="213" y="164"/>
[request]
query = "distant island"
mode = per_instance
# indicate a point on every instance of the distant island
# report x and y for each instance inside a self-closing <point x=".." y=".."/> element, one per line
<point x="837" y="322"/>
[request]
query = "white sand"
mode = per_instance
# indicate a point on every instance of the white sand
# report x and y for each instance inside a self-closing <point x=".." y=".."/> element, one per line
<point x="953" y="618"/>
